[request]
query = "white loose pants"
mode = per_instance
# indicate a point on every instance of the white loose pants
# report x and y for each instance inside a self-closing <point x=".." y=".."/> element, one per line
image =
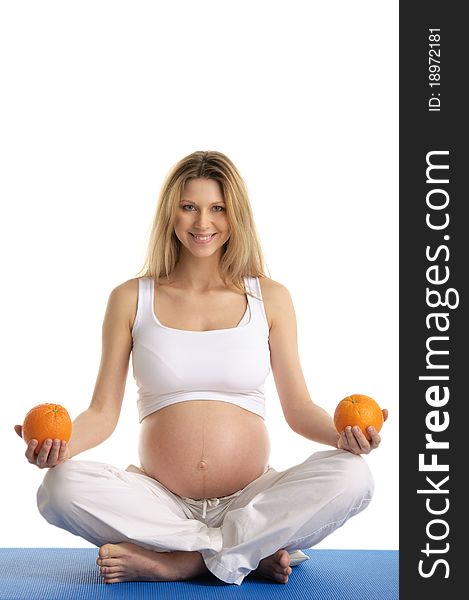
<point x="291" y="509"/>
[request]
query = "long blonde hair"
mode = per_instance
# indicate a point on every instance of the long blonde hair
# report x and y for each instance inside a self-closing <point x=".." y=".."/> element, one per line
<point x="242" y="255"/>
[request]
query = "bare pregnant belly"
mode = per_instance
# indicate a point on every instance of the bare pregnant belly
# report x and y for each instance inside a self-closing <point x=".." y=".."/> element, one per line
<point x="204" y="448"/>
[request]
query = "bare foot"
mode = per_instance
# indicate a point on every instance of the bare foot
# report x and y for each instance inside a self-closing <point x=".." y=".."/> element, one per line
<point x="129" y="562"/>
<point x="276" y="567"/>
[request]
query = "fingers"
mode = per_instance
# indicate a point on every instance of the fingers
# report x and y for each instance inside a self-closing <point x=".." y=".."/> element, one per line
<point x="51" y="453"/>
<point x="358" y="441"/>
<point x="375" y="437"/>
<point x="63" y="451"/>
<point x="349" y="441"/>
<point x="30" y="451"/>
<point x="354" y="440"/>
<point x="43" y="455"/>
<point x="53" y="458"/>
<point x="19" y="430"/>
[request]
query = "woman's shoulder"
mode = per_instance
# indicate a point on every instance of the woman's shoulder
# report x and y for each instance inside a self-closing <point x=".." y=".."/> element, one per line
<point x="272" y="289"/>
<point x="126" y="289"/>
<point x="123" y="298"/>
<point x="275" y="296"/>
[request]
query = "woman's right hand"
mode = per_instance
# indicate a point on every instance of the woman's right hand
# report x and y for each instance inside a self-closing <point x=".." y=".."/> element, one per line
<point x="51" y="454"/>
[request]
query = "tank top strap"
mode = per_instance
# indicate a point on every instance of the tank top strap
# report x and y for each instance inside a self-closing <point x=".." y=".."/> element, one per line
<point x="144" y="301"/>
<point x="256" y="303"/>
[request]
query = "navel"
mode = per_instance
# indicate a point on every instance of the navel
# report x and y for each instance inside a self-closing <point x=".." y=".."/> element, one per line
<point x="203" y="466"/>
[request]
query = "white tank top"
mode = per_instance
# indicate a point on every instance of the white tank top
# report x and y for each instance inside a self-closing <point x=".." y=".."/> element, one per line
<point x="175" y="365"/>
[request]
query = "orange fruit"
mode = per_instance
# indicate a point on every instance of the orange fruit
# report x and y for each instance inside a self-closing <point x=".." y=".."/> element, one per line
<point x="47" y="421"/>
<point x="360" y="410"/>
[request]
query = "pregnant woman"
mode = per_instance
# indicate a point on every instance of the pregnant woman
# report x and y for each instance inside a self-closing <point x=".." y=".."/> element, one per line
<point x="204" y="326"/>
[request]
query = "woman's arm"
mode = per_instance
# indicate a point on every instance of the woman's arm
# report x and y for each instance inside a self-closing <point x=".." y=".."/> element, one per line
<point x="99" y="420"/>
<point x="97" y="423"/>
<point x="303" y="416"/>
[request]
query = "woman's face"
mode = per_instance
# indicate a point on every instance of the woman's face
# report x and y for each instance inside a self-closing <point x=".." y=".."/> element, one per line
<point x="201" y="224"/>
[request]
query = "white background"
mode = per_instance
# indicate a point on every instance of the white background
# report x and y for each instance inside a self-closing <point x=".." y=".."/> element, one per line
<point x="99" y="100"/>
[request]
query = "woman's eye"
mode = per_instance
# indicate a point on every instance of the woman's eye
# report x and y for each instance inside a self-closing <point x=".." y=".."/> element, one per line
<point x="185" y="206"/>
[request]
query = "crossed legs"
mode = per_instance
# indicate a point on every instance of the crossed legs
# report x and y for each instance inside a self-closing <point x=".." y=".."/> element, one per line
<point x="149" y="533"/>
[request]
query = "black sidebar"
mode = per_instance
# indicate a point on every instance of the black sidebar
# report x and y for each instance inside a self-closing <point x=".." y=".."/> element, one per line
<point x="433" y="262"/>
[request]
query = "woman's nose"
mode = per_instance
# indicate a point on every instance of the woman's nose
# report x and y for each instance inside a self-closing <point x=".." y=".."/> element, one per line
<point x="203" y="219"/>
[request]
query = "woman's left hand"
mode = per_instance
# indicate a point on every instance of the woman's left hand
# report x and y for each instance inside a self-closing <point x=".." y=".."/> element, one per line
<point x="353" y="440"/>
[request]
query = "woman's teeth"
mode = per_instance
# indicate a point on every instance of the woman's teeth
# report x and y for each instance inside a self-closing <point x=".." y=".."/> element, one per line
<point x="203" y="238"/>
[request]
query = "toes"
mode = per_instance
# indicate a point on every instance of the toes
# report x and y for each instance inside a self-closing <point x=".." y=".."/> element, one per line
<point x="281" y="578"/>
<point x="109" y="562"/>
<point x="111" y="550"/>
<point x="114" y="580"/>
<point x="105" y="551"/>
<point x="110" y="570"/>
<point x="282" y="567"/>
<point x="276" y="567"/>
<point x="112" y="575"/>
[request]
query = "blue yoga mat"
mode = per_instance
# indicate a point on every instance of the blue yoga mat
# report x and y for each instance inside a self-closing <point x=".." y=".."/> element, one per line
<point x="72" y="574"/>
